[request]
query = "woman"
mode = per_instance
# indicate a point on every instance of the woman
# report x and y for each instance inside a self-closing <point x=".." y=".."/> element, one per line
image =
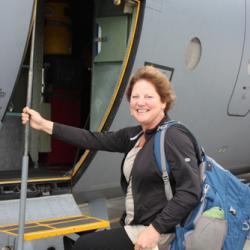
<point x="149" y="220"/>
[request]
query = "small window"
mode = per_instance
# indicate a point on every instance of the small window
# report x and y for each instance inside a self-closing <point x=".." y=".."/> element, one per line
<point x="193" y="53"/>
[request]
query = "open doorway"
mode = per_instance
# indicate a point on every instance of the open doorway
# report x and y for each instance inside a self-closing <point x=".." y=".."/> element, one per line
<point x="80" y="52"/>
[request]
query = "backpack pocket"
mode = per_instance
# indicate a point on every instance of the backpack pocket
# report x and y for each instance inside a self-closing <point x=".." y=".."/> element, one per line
<point x="208" y="234"/>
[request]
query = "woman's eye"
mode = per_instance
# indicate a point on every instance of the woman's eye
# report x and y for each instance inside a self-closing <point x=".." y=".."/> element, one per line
<point x="148" y="97"/>
<point x="134" y="96"/>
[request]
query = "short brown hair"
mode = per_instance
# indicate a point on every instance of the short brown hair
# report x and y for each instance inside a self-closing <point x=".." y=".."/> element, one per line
<point x="158" y="80"/>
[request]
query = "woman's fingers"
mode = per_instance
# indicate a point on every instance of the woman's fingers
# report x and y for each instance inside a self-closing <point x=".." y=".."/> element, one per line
<point x="25" y="118"/>
<point x="25" y="115"/>
<point x="137" y="247"/>
<point x="25" y="109"/>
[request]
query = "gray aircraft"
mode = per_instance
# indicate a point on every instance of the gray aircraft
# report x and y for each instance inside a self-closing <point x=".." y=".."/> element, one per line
<point x="84" y="54"/>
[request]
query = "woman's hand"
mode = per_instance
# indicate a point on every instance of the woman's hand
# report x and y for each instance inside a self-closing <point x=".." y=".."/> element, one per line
<point x="148" y="238"/>
<point x="36" y="120"/>
<point x="34" y="117"/>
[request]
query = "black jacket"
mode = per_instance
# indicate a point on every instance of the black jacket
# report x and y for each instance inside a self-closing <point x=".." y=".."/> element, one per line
<point x="150" y="204"/>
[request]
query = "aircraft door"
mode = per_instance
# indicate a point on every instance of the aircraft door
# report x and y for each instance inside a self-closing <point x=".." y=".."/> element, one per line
<point x="111" y="44"/>
<point x="239" y="104"/>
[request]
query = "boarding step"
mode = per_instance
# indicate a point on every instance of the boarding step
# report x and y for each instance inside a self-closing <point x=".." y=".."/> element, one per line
<point x="56" y="227"/>
<point x="48" y="219"/>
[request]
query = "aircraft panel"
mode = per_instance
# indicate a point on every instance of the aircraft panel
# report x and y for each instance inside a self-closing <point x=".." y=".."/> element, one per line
<point x="202" y="93"/>
<point x="239" y="104"/>
<point x="15" y="27"/>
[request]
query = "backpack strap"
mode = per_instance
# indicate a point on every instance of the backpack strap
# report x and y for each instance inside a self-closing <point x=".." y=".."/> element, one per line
<point x="162" y="162"/>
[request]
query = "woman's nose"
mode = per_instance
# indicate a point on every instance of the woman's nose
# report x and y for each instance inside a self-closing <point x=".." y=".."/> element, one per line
<point x="141" y="101"/>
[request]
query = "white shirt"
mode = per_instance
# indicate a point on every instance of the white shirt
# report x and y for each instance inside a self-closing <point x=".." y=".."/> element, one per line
<point x="133" y="231"/>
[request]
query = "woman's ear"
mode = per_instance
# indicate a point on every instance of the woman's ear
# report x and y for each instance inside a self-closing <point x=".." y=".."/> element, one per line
<point x="163" y="107"/>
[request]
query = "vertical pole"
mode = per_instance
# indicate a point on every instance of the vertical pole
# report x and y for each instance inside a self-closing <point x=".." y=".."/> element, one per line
<point x="25" y="160"/>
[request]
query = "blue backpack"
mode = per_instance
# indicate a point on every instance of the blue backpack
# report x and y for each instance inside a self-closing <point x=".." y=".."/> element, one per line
<point x="221" y="220"/>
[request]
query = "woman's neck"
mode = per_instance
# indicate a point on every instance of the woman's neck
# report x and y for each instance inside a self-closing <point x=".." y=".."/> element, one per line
<point x="154" y="124"/>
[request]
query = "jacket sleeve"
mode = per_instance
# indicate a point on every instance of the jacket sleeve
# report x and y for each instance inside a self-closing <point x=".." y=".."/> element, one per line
<point x="184" y="168"/>
<point x="106" y="141"/>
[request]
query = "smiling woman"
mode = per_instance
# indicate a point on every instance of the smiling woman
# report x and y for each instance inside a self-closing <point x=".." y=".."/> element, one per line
<point x="145" y="104"/>
<point x="159" y="81"/>
<point x="150" y="95"/>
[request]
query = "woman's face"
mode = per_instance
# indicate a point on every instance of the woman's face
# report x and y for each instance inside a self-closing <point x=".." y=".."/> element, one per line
<point x="145" y="104"/>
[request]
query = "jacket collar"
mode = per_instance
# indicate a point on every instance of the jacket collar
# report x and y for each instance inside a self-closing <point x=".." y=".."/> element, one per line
<point x="151" y="131"/>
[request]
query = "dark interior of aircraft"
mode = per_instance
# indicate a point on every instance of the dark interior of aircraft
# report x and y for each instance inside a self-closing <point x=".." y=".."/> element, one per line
<point x="67" y="65"/>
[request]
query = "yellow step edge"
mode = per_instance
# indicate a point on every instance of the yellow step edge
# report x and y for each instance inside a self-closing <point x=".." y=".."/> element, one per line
<point x="51" y="229"/>
<point x="17" y="181"/>
<point x="66" y="230"/>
